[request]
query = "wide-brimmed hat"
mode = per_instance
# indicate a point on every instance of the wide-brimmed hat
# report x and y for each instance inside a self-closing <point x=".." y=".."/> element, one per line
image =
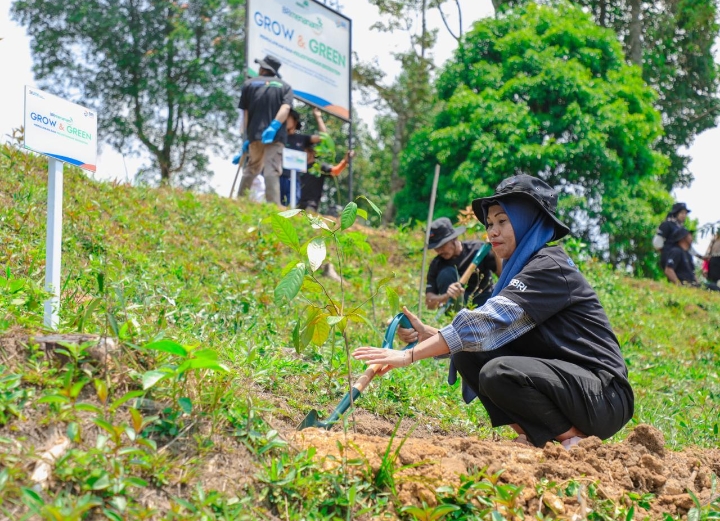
<point x="678" y="207"/>
<point x="442" y="231"/>
<point x="270" y="63"/>
<point x="528" y="187"/>
<point x="296" y="116"/>
<point x="678" y="234"/>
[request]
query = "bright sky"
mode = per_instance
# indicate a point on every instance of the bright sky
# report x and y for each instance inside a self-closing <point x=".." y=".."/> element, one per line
<point x="702" y="197"/>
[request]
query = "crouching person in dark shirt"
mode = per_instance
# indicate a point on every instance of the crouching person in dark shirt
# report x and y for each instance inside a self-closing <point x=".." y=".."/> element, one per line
<point x="453" y="258"/>
<point x="678" y="262"/>
<point x="312" y="185"/>
<point x="540" y="353"/>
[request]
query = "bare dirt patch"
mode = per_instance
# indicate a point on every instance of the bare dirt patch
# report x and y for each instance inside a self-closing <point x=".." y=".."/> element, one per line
<point x="639" y="464"/>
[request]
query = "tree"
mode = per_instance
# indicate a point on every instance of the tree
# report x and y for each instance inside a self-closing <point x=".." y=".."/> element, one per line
<point x="672" y="40"/>
<point x="544" y="91"/>
<point x="407" y="103"/>
<point x="158" y="72"/>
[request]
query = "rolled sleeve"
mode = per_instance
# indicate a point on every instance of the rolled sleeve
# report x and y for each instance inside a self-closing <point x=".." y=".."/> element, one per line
<point x="495" y="324"/>
<point x="452" y="339"/>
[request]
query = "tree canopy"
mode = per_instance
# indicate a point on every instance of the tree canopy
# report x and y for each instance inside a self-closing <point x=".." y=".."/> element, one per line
<point x="161" y="73"/>
<point x="543" y="90"/>
<point x="672" y="40"/>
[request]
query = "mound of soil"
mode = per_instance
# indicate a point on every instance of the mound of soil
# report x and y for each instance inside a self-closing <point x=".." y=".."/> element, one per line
<point x="640" y="464"/>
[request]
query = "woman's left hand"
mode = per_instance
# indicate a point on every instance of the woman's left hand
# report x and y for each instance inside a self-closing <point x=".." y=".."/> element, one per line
<point x="376" y="355"/>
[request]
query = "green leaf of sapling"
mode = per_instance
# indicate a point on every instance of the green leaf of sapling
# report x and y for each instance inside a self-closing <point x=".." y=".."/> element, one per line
<point x="348" y="216"/>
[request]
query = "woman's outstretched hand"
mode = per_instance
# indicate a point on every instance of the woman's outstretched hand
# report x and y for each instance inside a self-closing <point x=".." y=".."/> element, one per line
<point x="419" y="331"/>
<point x="389" y="358"/>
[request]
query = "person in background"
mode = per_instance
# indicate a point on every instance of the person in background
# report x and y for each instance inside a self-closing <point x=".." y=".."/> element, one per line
<point x="298" y="141"/>
<point x="312" y="185"/>
<point x="453" y="258"/>
<point x="713" y="259"/>
<point x="266" y="102"/>
<point x="679" y="267"/>
<point x="674" y="220"/>
<point x="540" y="354"/>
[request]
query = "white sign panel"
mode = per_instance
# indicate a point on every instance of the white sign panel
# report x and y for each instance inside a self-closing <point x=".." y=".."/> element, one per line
<point x="60" y="129"/>
<point x="294" y="160"/>
<point x="313" y="44"/>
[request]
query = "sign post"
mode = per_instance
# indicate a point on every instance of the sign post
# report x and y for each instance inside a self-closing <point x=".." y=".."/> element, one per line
<point x="66" y="133"/>
<point x="295" y="161"/>
<point x="53" y="242"/>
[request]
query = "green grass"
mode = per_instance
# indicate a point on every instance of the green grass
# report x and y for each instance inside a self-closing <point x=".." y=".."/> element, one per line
<point x="200" y="271"/>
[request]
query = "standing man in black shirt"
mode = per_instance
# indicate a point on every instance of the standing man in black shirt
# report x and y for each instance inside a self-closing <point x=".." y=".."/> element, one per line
<point x="298" y="141"/>
<point x="453" y="258"/>
<point x="266" y="102"/>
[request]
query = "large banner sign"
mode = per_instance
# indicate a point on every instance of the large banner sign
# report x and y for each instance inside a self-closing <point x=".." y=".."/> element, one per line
<point x="313" y="44"/>
<point x="60" y="129"/>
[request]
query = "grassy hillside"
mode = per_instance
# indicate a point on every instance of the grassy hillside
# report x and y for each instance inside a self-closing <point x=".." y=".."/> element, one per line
<point x="175" y="277"/>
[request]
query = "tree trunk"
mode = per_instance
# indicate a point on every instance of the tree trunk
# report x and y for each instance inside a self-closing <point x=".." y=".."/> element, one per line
<point x="602" y="15"/>
<point x="164" y="174"/>
<point x="396" y="182"/>
<point x="424" y="29"/>
<point x="635" y="35"/>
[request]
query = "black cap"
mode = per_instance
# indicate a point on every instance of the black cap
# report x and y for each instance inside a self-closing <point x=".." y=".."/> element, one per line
<point x="442" y="231"/>
<point x="678" y="234"/>
<point x="270" y="63"/>
<point x="530" y="188"/>
<point x="678" y="207"/>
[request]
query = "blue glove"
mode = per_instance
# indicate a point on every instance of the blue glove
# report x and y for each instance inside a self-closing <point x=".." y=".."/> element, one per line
<point x="269" y="134"/>
<point x="245" y="147"/>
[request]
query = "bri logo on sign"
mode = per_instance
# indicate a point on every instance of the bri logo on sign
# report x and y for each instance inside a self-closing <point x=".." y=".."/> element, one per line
<point x="42" y="119"/>
<point x="275" y="27"/>
<point x="517" y="284"/>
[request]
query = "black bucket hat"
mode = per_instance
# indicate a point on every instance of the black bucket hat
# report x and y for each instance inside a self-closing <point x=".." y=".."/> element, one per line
<point x="442" y="231"/>
<point x="527" y="187"/>
<point x="678" y="207"/>
<point x="678" y="234"/>
<point x="270" y="63"/>
<point x="296" y="116"/>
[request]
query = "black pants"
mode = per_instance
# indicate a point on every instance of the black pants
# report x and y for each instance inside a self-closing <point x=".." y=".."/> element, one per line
<point x="448" y="275"/>
<point x="714" y="270"/>
<point x="545" y="397"/>
<point x="311" y="191"/>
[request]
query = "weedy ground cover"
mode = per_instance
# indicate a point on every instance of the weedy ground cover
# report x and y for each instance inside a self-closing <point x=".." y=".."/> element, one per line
<point x="186" y="418"/>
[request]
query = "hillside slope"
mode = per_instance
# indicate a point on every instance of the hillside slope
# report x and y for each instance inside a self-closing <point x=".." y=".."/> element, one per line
<point x="176" y="277"/>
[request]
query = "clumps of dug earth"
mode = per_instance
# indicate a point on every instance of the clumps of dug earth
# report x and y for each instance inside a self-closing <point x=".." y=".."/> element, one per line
<point x="639" y="465"/>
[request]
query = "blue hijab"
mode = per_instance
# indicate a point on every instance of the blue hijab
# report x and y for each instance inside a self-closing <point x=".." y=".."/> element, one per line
<point x="533" y="229"/>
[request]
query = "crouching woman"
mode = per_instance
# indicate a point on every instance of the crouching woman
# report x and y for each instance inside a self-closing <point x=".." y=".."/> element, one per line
<point x="540" y="354"/>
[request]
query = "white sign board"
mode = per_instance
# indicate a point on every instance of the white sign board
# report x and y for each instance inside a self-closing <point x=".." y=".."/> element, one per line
<point x="60" y="129"/>
<point x="294" y="160"/>
<point x="313" y="44"/>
